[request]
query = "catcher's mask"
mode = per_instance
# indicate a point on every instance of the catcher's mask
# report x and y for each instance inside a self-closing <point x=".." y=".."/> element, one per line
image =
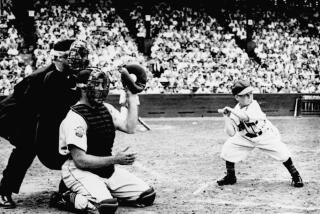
<point x="78" y="56"/>
<point x="95" y="83"/>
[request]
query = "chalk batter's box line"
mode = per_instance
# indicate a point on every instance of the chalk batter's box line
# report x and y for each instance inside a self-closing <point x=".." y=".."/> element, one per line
<point x="224" y="202"/>
<point x="154" y="173"/>
<point x="204" y="186"/>
<point x="251" y="204"/>
<point x="195" y="119"/>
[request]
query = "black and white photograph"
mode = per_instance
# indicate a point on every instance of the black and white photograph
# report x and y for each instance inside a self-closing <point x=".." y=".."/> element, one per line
<point x="160" y="106"/>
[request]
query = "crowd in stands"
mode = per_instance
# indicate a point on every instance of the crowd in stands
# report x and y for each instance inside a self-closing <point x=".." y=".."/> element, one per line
<point x="111" y="45"/>
<point x="199" y="56"/>
<point x="191" y="51"/>
<point x="13" y="65"/>
<point x="292" y="55"/>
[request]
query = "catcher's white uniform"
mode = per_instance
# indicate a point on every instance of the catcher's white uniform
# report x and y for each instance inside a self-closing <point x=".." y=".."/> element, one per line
<point x="258" y="132"/>
<point x="122" y="184"/>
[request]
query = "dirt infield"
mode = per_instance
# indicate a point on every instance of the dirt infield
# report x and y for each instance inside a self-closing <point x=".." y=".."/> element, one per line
<point x="180" y="158"/>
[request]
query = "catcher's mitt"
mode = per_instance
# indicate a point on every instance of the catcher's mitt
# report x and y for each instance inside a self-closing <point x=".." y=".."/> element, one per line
<point x="135" y="86"/>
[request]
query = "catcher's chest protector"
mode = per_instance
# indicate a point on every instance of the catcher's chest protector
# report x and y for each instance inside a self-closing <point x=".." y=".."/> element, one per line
<point x="100" y="133"/>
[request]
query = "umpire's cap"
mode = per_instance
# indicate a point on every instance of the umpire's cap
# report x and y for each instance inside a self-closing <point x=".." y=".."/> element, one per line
<point x="241" y="87"/>
<point x="63" y="45"/>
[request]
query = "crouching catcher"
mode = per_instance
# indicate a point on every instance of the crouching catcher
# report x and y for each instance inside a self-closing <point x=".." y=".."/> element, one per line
<point x="92" y="179"/>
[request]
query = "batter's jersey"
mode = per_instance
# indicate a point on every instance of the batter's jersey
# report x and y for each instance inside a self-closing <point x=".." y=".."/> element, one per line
<point x="258" y="122"/>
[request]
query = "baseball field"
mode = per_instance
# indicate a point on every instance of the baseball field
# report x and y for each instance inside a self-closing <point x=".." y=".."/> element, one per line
<point x="179" y="157"/>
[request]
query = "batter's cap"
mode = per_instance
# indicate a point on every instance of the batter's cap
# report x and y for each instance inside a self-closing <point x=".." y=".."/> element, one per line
<point x="241" y="87"/>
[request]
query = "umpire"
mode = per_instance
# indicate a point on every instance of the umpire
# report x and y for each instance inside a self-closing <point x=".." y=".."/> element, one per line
<point x="34" y="110"/>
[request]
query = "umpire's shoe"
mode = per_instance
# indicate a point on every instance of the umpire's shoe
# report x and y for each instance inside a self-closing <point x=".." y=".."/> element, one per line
<point x="297" y="181"/>
<point x="5" y="198"/>
<point x="227" y="180"/>
<point x="7" y="202"/>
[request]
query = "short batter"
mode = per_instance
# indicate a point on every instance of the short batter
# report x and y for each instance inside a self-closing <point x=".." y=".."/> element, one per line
<point x="249" y="128"/>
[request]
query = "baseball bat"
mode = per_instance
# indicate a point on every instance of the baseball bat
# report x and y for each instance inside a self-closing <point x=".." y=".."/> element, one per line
<point x="144" y="123"/>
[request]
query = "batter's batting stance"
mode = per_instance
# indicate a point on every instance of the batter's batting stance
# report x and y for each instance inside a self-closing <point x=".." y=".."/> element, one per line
<point x="249" y="128"/>
<point x="86" y="138"/>
<point x="30" y="117"/>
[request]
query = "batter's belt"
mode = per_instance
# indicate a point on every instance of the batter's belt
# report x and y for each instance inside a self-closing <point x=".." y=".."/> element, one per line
<point x="250" y="135"/>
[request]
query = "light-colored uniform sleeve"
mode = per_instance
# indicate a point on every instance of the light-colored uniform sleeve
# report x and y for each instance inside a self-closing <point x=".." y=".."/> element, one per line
<point x="234" y="117"/>
<point x="73" y="131"/>
<point x="254" y="112"/>
<point x="117" y="117"/>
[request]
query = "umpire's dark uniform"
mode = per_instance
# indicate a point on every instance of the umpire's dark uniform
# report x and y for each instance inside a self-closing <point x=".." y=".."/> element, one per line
<point x="60" y="94"/>
<point x="19" y="113"/>
<point x="39" y="102"/>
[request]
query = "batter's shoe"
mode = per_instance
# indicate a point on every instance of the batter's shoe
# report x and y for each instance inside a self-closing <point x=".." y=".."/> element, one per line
<point x="227" y="180"/>
<point x="7" y="202"/>
<point x="297" y="181"/>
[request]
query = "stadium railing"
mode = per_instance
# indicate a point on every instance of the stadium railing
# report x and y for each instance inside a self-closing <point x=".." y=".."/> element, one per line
<point x="206" y="105"/>
<point x="307" y="105"/>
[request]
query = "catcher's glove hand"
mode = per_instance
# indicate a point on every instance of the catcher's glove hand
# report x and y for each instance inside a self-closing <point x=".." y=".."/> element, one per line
<point x="135" y="84"/>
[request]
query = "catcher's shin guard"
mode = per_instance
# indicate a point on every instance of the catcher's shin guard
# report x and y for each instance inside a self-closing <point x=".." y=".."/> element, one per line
<point x="145" y="199"/>
<point x="108" y="206"/>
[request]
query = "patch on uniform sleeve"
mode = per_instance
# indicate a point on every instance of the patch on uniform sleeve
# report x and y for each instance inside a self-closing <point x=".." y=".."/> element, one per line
<point x="79" y="131"/>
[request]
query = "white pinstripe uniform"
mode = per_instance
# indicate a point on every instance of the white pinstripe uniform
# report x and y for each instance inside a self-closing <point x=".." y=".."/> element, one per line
<point x="258" y="132"/>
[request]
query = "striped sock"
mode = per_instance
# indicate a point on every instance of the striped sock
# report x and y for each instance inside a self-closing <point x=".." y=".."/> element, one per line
<point x="230" y="169"/>
<point x="289" y="165"/>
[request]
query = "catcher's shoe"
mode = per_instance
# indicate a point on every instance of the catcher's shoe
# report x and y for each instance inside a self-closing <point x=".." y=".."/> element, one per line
<point x="227" y="180"/>
<point x="61" y="201"/>
<point x="57" y="201"/>
<point x="297" y="181"/>
<point x="7" y="202"/>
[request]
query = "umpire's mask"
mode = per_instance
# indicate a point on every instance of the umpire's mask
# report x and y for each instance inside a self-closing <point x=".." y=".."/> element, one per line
<point x="78" y="56"/>
<point x="95" y="83"/>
